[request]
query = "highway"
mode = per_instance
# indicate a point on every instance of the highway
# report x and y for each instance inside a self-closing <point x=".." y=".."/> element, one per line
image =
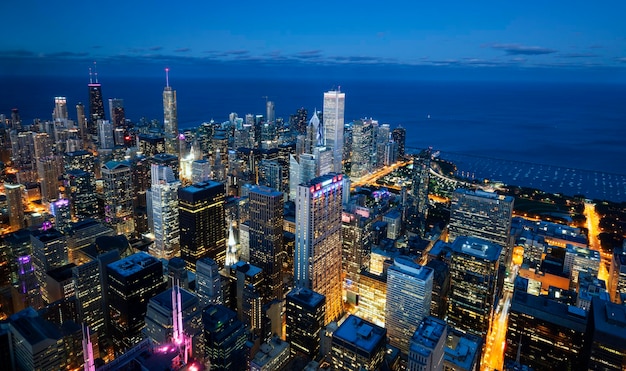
<point x="593" y="227"/>
<point x="371" y="178"/>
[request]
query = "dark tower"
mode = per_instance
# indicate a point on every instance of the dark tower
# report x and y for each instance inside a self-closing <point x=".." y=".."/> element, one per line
<point x="96" y="105"/>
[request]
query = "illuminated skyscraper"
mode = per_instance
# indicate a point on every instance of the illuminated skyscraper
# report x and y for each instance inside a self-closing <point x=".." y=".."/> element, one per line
<point x="79" y="187"/>
<point x="48" y="173"/>
<point x="132" y="282"/>
<point x="266" y="237"/>
<point x="474" y="266"/>
<point x="202" y="226"/>
<point x="305" y="312"/>
<point x="409" y="291"/>
<point x="15" y="204"/>
<point x="170" y="119"/>
<point x="617" y="276"/>
<point x="318" y="251"/>
<point x="106" y="140"/>
<point x="96" y="104"/>
<point x="421" y="178"/>
<point x="118" y="196"/>
<point x="49" y="252"/>
<point x="481" y="214"/>
<point x="163" y="212"/>
<point x="361" y="148"/>
<point x="116" y="112"/>
<point x="334" y="105"/>
<point x="60" y="109"/>
<point x="399" y="136"/>
<point x="208" y="282"/>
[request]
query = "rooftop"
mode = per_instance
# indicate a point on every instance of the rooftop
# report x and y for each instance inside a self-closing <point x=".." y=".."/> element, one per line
<point x="164" y="299"/>
<point x="543" y="308"/>
<point x="306" y="296"/>
<point x="427" y="335"/>
<point x="407" y="265"/>
<point x="360" y="333"/>
<point x="133" y="264"/>
<point x="477" y="247"/>
<point x="609" y="321"/>
<point x="462" y="349"/>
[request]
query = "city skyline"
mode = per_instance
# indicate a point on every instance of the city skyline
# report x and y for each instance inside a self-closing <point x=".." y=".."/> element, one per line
<point x="516" y="38"/>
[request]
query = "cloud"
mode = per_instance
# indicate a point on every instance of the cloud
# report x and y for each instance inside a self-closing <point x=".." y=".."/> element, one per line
<point x="155" y="48"/>
<point x="518" y="49"/>
<point x="66" y="54"/>
<point x="578" y="55"/>
<point x="17" y="53"/>
<point x="358" y="59"/>
<point x="96" y="47"/>
<point x="235" y="52"/>
<point x="621" y="59"/>
<point x="182" y="50"/>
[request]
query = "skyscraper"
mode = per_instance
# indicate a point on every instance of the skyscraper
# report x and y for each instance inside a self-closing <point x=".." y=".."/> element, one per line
<point x="116" y="112"/>
<point x="15" y="205"/>
<point x="399" y="136"/>
<point x="79" y="187"/>
<point x="266" y="237"/>
<point x="48" y="174"/>
<point x="361" y="148"/>
<point x="49" y="252"/>
<point x="163" y="212"/>
<point x="132" y="282"/>
<point x="334" y="105"/>
<point x="60" y="109"/>
<point x="358" y="345"/>
<point x="474" y="264"/>
<point x="202" y="226"/>
<point x="224" y="338"/>
<point x="606" y="331"/>
<point x="409" y="291"/>
<point x="426" y="350"/>
<point x="170" y="119"/>
<point x="317" y="261"/>
<point x="617" y="276"/>
<point x="481" y="214"/>
<point x="96" y="104"/>
<point x="305" y="312"/>
<point x="421" y="178"/>
<point x="118" y="196"/>
<point x="208" y="282"/>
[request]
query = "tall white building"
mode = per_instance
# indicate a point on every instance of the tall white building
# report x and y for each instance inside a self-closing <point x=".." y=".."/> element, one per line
<point x="409" y="291"/>
<point x="163" y="212"/>
<point x="334" y="105"/>
<point x="318" y="250"/>
<point x="170" y="118"/>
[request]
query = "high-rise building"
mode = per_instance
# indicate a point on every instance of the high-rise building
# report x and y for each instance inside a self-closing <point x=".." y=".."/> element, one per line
<point x="361" y="148"/>
<point x="318" y="251"/>
<point x="81" y="121"/>
<point x="60" y="109"/>
<point x="49" y="252"/>
<point x="96" y="104"/>
<point x="15" y="205"/>
<point x="48" y="174"/>
<point x="132" y="282"/>
<point x="116" y="112"/>
<point x="118" y="196"/>
<point x="546" y="334"/>
<point x="427" y="347"/>
<point x="474" y="264"/>
<point x="421" y="178"/>
<point x="208" y="282"/>
<point x="163" y="212"/>
<point x="26" y="291"/>
<point x="578" y="260"/>
<point x="334" y="106"/>
<point x="201" y="220"/>
<point x="617" y="276"/>
<point x="266" y="237"/>
<point x="170" y="118"/>
<point x="80" y="189"/>
<point x="481" y="214"/>
<point x="399" y="136"/>
<point x="358" y="345"/>
<point x="409" y="291"/>
<point x="305" y="312"/>
<point x="224" y="338"/>
<point x="106" y="139"/>
<point x="606" y="331"/>
<point x="60" y="209"/>
<point x="356" y="246"/>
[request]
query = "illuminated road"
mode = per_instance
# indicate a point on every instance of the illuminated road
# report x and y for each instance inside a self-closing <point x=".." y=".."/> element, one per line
<point x="593" y="226"/>
<point x="373" y="177"/>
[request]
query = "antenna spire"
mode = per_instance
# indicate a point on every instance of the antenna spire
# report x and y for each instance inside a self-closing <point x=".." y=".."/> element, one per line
<point x="95" y="70"/>
<point x="90" y="76"/>
<point x="167" y="77"/>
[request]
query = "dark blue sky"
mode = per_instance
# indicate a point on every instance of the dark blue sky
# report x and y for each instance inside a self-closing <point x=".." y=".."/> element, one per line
<point x="489" y="39"/>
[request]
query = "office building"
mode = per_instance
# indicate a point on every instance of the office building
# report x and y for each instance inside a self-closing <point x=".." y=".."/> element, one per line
<point x="372" y="291"/>
<point x="362" y="138"/>
<point x="421" y="180"/>
<point x="551" y="334"/>
<point x="96" y="104"/>
<point x="202" y="223"/>
<point x="334" y="106"/>
<point x="116" y="113"/>
<point x="132" y="281"/>
<point x="305" y="313"/>
<point x="59" y="283"/>
<point x="606" y="333"/>
<point x="441" y="288"/>
<point x="170" y="118"/>
<point x="26" y="291"/>
<point x="266" y="237"/>
<point x="617" y="276"/>
<point x="49" y="252"/>
<point x="208" y="282"/>
<point x="358" y="345"/>
<point x="106" y="139"/>
<point x="48" y="174"/>
<point x="409" y="291"/>
<point x="151" y="144"/>
<point x="427" y="345"/>
<point x="356" y="245"/>
<point x="163" y="213"/>
<point x="272" y="355"/>
<point x="481" y="214"/>
<point x="15" y="205"/>
<point x="398" y="135"/>
<point x="318" y="252"/>
<point x="224" y="338"/>
<point x="579" y="260"/>
<point x="474" y="264"/>
<point x="118" y="196"/>
<point x="81" y="191"/>
<point x="463" y="351"/>
<point x="60" y="109"/>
